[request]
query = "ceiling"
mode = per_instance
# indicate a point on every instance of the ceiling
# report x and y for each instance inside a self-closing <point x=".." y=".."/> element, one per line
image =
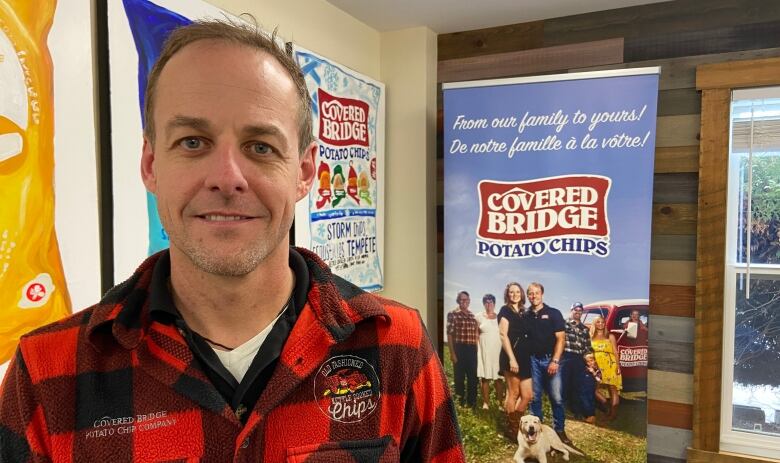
<point x="444" y="16"/>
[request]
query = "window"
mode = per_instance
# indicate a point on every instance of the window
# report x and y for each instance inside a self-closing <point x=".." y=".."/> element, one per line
<point x="624" y="315"/>
<point x="592" y="314"/>
<point x="713" y="358"/>
<point x="750" y="415"/>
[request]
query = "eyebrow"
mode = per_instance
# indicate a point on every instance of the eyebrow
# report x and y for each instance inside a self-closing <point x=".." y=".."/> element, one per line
<point x="203" y="125"/>
<point x="197" y="123"/>
<point x="265" y="130"/>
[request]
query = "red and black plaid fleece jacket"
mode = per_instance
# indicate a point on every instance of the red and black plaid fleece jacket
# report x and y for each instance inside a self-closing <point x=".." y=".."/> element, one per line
<point x="357" y="381"/>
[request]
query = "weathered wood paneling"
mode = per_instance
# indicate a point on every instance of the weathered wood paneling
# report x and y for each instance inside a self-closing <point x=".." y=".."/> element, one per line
<point x="677" y="159"/>
<point x="674" y="218"/>
<point x="652" y="458"/>
<point x="675" y="188"/>
<point x="677" y="73"/>
<point x="672" y="272"/>
<point x="673" y="415"/>
<point x="738" y="74"/>
<point x="670" y="386"/>
<point x="533" y="61"/>
<point x="664" y="329"/>
<point x="667" y="442"/>
<point x="673" y="247"/>
<point x="678" y="102"/>
<point x="671" y="356"/>
<point x="709" y="267"/>
<point x="489" y="41"/>
<point x="677" y="130"/>
<point x="720" y="40"/>
<point x="658" y="18"/>
<point x="672" y="300"/>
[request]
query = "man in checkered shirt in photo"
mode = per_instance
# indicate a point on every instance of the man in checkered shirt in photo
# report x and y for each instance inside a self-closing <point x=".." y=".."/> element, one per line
<point x="463" y="339"/>
<point x="231" y="346"/>
<point x="573" y="364"/>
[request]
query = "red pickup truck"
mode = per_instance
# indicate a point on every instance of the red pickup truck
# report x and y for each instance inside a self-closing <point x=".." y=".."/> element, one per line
<point x="632" y="349"/>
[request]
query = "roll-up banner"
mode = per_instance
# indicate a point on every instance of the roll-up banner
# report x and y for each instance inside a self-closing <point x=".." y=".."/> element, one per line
<point x="548" y="185"/>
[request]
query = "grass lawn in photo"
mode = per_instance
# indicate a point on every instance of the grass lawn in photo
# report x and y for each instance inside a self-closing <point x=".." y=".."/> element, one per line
<point x="622" y="440"/>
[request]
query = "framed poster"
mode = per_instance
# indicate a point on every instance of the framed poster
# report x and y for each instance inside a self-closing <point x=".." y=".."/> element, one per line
<point x="49" y="245"/>
<point x="137" y="30"/>
<point x="548" y="186"/>
<point x="343" y="218"/>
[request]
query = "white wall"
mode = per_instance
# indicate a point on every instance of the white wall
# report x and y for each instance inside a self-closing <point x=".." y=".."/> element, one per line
<point x="409" y="72"/>
<point x="406" y="62"/>
<point x="75" y="146"/>
<point x="318" y="26"/>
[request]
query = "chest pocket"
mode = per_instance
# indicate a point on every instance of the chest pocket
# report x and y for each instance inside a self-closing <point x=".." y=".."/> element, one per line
<point x="383" y="450"/>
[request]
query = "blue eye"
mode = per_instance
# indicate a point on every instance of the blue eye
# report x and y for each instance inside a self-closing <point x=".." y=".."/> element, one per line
<point x="191" y="143"/>
<point x="260" y="148"/>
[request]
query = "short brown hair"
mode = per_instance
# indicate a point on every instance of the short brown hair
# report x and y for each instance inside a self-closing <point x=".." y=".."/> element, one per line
<point x="239" y="33"/>
<point x="538" y="285"/>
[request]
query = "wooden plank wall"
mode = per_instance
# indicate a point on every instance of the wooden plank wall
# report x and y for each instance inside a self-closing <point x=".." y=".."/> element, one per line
<point x="677" y="36"/>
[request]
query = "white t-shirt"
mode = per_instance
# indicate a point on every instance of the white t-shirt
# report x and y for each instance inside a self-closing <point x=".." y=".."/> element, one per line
<point x="238" y="360"/>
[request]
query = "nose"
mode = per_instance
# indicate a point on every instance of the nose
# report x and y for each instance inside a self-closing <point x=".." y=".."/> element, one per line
<point x="225" y="173"/>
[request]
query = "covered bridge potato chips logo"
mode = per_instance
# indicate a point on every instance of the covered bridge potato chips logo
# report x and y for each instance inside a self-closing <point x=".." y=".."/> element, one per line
<point x="343" y="121"/>
<point x="560" y="215"/>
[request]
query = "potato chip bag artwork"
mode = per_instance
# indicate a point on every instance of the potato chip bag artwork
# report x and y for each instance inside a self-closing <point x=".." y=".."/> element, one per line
<point x="32" y="283"/>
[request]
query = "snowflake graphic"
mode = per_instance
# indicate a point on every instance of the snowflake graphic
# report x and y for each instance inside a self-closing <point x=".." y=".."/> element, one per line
<point x="331" y="79"/>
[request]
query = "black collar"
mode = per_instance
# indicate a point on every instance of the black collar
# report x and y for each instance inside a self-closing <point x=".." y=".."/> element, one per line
<point x="162" y="308"/>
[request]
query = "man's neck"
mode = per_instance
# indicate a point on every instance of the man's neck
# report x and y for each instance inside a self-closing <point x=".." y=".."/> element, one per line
<point x="538" y="307"/>
<point x="226" y="309"/>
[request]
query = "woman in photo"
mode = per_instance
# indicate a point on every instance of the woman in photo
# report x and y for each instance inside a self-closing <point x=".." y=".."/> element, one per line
<point x="605" y="350"/>
<point x="514" y="360"/>
<point x="488" y="353"/>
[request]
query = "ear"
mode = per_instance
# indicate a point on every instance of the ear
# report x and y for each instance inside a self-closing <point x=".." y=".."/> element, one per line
<point x="147" y="166"/>
<point x="307" y="171"/>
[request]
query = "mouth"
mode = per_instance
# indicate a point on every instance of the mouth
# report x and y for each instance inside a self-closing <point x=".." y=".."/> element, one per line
<point x="531" y="435"/>
<point x="224" y="218"/>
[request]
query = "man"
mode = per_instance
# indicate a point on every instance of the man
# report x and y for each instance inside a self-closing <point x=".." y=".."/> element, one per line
<point x="572" y="367"/>
<point x="462" y="339"/>
<point x="231" y="346"/>
<point x="546" y="341"/>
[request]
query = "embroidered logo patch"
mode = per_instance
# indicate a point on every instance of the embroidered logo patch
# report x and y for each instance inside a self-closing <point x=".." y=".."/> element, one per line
<point x="346" y="388"/>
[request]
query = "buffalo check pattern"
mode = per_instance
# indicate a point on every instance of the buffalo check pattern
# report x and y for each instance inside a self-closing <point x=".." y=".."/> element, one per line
<point x="111" y="384"/>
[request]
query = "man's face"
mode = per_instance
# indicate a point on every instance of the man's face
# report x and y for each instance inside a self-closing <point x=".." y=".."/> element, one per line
<point x="463" y="301"/>
<point x="225" y="166"/>
<point x="535" y="295"/>
<point x="490" y="305"/>
<point x="576" y="314"/>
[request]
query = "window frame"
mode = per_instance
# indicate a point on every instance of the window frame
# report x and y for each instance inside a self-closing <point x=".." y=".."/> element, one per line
<point x="730" y="440"/>
<point x="716" y="82"/>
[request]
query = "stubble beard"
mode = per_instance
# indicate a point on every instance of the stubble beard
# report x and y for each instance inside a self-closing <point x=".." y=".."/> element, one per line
<point x="237" y="264"/>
